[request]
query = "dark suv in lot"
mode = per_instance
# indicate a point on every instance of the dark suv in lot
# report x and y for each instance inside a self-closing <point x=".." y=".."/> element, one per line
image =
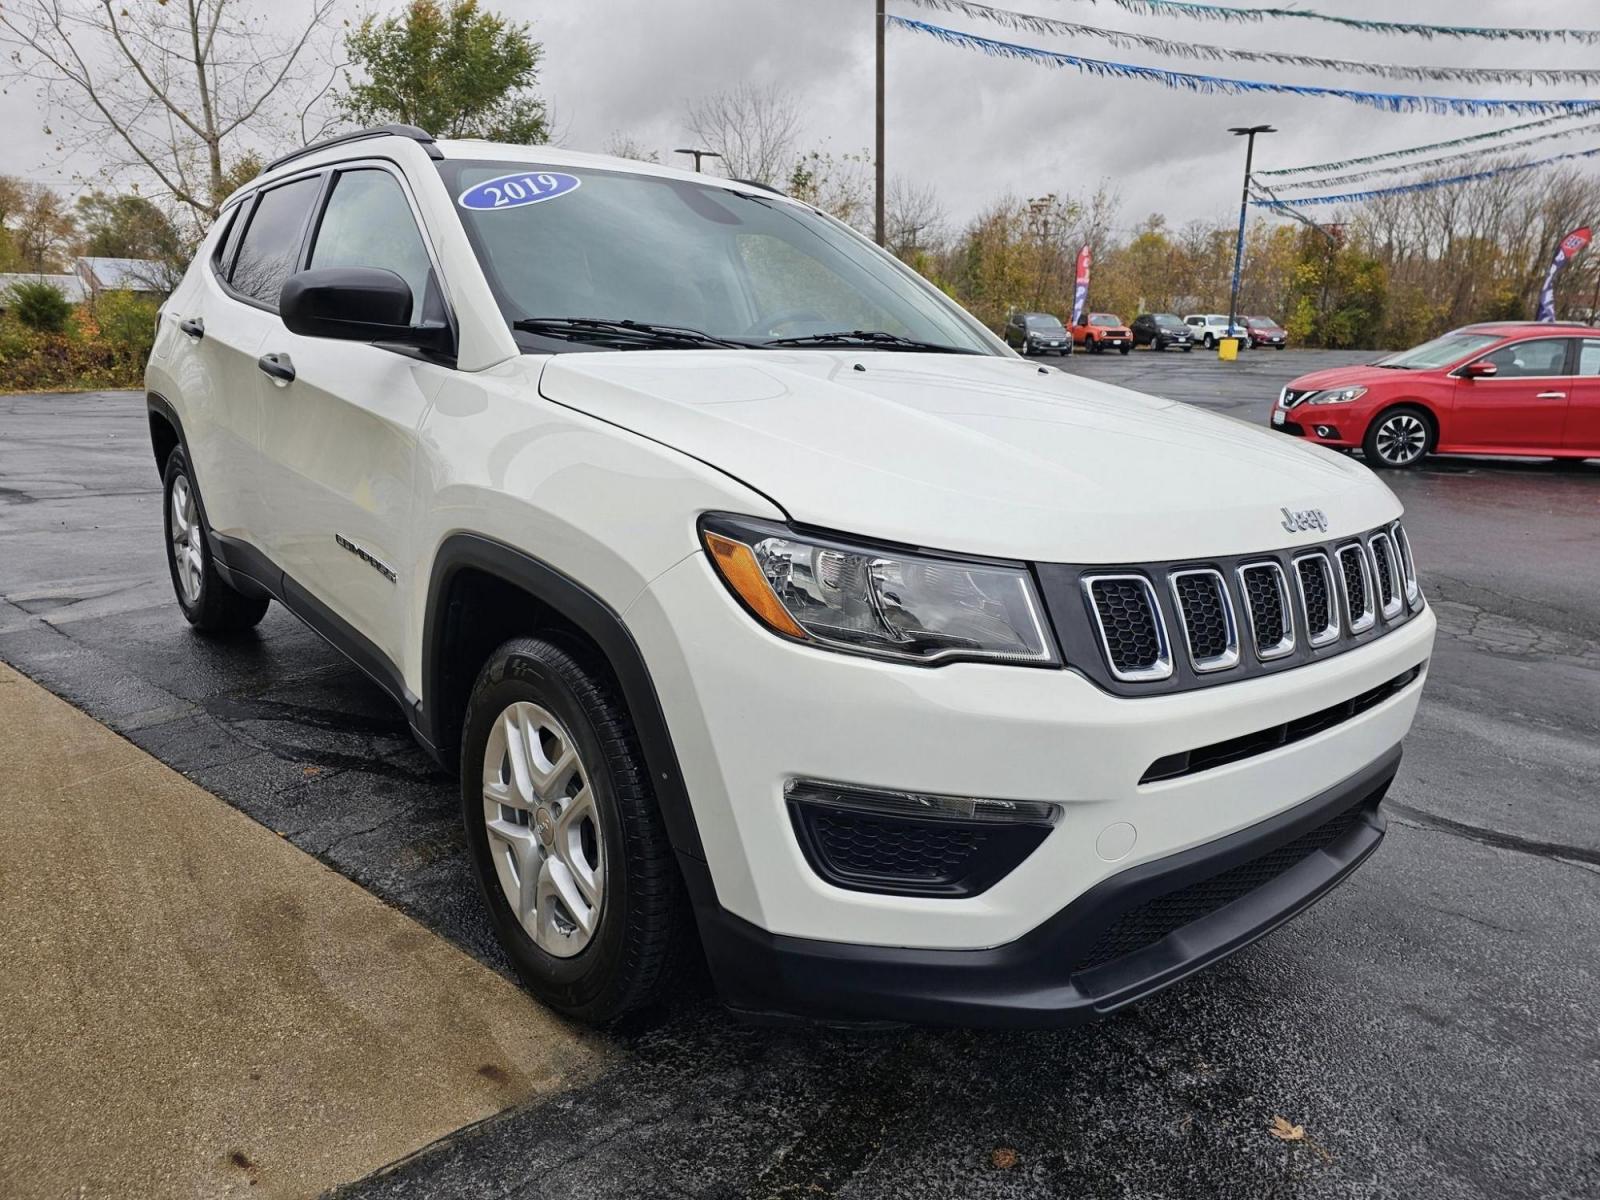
<point x="1160" y="330"/>
<point x="1038" y="333"/>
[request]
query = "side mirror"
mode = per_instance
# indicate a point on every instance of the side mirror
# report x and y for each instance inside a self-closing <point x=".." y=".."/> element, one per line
<point x="1479" y="370"/>
<point x="355" y="304"/>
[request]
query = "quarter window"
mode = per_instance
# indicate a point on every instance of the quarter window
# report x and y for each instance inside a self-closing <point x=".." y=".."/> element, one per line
<point x="230" y="240"/>
<point x="1538" y="357"/>
<point x="271" y="245"/>
<point x="368" y="223"/>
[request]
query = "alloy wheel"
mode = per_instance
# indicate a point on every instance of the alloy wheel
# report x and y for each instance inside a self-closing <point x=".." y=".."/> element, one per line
<point x="187" y="548"/>
<point x="544" y="830"/>
<point x="1401" y="439"/>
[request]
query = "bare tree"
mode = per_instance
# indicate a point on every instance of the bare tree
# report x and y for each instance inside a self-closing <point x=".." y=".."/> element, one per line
<point x="623" y="145"/>
<point x="914" y="217"/>
<point x="175" y="88"/>
<point x="752" y="128"/>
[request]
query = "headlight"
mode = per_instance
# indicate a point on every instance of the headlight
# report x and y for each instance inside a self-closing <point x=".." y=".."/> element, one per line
<point x="879" y="602"/>
<point x="1336" y="395"/>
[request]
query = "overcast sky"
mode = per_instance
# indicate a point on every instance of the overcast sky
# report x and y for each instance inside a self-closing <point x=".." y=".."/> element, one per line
<point x="975" y="127"/>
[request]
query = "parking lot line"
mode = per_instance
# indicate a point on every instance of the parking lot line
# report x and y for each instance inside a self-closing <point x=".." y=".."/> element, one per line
<point x="194" y="1007"/>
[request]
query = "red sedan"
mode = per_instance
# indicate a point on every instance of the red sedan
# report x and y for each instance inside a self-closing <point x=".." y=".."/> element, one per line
<point x="1511" y="387"/>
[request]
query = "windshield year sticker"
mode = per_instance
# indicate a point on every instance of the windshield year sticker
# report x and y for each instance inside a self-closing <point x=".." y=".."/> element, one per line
<point x="513" y="191"/>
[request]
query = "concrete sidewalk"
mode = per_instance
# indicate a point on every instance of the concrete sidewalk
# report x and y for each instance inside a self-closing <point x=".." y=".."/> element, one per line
<point x="190" y="1006"/>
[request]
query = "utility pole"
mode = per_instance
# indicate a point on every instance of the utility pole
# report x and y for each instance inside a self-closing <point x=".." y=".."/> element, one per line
<point x="698" y="155"/>
<point x="1249" y="133"/>
<point x="877" y="203"/>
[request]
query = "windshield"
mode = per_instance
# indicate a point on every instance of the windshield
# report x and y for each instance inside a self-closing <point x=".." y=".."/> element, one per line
<point x="1167" y="319"/>
<point x="1045" y="324"/>
<point x="1440" y="352"/>
<point x="1104" y="319"/>
<point x="613" y="246"/>
<point x="1261" y="322"/>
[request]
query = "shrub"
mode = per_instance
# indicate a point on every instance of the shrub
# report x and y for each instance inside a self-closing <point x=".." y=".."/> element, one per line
<point x="127" y="325"/>
<point x="40" y="306"/>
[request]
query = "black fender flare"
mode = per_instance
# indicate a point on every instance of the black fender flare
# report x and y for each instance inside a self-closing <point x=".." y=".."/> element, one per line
<point x="597" y="620"/>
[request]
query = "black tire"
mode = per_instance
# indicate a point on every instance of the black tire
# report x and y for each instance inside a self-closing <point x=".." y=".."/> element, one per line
<point x="1123" y="349"/>
<point x="1279" y="346"/>
<point x="643" y="939"/>
<point x="1188" y="347"/>
<point x="1092" y="346"/>
<point x="1389" y="429"/>
<point x="215" y="607"/>
<point x="1156" y="345"/>
<point x="1211" y="342"/>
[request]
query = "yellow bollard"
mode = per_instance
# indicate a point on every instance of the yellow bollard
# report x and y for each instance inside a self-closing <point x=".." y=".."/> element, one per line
<point x="1228" y="349"/>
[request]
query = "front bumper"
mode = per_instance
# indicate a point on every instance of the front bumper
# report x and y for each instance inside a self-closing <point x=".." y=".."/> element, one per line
<point x="1132" y="934"/>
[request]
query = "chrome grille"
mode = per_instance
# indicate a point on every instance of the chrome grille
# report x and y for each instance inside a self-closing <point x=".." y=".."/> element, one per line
<point x="1266" y="607"/>
<point x="1387" y="571"/>
<point x="1314" y="577"/>
<point x="1132" y="633"/>
<point x="1206" y="615"/>
<point x="1356" y="579"/>
<point x="1408" y="568"/>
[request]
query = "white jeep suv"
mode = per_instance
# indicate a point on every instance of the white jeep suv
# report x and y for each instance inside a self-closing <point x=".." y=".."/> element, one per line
<point x="767" y="604"/>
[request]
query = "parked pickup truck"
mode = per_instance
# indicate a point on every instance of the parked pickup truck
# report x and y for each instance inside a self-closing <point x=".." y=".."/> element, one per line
<point x="761" y="598"/>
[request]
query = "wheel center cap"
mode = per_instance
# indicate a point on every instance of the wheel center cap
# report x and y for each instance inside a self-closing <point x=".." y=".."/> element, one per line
<point x="544" y="824"/>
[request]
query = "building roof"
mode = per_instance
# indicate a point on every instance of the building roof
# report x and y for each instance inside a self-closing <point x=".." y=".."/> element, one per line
<point x="69" y="286"/>
<point x="124" y="274"/>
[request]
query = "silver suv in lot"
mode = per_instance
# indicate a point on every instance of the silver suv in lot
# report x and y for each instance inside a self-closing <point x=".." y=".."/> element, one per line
<point x="767" y="605"/>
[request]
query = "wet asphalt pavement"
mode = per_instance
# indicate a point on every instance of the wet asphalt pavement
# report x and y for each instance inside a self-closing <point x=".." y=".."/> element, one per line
<point x="1434" y="1024"/>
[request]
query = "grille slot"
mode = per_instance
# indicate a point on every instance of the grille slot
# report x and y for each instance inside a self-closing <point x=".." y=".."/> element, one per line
<point x="1132" y="633"/>
<point x="1387" y="570"/>
<point x="1314" y="577"/>
<point x="1356" y="579"/>
<point x="1266" y="606"/>
<point x="1217" y="754"/>
<point x="1206" y="614"/>
<point x="1408" y="568"/>
<point x="1153" y="920"/>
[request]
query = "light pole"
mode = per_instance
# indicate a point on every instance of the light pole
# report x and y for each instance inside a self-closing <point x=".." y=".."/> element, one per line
<point x="877" y="157"/>
<point x="698" y="155"/>
<point x="1249" y="133"/>
<point x="1041" y="209"/>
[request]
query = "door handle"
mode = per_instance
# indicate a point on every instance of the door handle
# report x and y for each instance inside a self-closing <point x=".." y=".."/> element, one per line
<point x="195" y="327"/>
<point x="1551" y="396"/>
<point x="278" y="368"/>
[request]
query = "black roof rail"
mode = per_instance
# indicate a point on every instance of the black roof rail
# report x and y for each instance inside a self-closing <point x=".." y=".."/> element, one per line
<point x="421" y="136"/>
<point x="765" y="187"/>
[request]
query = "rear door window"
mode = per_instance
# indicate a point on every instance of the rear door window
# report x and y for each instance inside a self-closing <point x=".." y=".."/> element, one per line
<point x="270" y="249"/>
<point x="1589" y="357"/>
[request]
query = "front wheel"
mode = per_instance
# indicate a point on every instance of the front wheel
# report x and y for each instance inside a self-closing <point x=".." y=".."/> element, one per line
<point x="1123" y="349"/>
<point x="1211" y="342"/>
<point x="566" y="840"/>
<point x="1188" y="347"/>
<point x="1398" y="439"/>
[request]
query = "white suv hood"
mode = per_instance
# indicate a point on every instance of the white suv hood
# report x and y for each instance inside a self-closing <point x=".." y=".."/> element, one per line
<point x="975" y="454"/>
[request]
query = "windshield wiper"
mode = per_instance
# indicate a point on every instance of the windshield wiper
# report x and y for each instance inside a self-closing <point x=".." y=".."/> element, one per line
<point x="607" y="329"/>
<point x="866" y="337"/>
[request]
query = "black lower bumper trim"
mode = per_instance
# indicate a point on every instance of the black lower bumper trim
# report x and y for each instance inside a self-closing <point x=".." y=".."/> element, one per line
<point x="1036" y="981"/>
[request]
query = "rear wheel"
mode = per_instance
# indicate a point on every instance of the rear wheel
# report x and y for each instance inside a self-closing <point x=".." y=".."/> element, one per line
<point x="207" y="601"/>
<point x="565" y="837"/>
<point x="1399" y="438"/>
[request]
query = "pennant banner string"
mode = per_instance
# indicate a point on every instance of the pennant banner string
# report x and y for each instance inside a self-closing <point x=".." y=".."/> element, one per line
<point x="1029" y="23"/>
<point x="1426" y="184"/>
<point x="1376" y="172"/>
<point x="1229" y="12"/>
<point x="1189" y="81"/>
<point x="1470" y="139"/>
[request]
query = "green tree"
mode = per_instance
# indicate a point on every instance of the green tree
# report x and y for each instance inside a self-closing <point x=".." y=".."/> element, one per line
<point x="451" y="69"/>
<point x="126" y="226"/>
<point x="40" y="305"/>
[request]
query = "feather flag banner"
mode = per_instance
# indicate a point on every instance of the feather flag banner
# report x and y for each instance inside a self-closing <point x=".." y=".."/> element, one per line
<point x="1230" y="12"/>
<point x="1470" y="140"/>
<point x="1426" y="185"/>
<point x="1080" y="287"/>
<point x="1571" y="246"/>
<point x="1189" y="81"/>
<point x="1029" y="23"/>
<point x="1327" y="181"/>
